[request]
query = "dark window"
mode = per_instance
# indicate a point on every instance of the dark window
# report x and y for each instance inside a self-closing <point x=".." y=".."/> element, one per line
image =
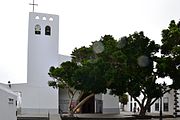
<point x="149" y="109"/>
<point x="156" y="106"/>
<point x="47" y="30"/>
<point x="166" y="108"/>
<point x="38" y="29"/>
<point x="134" y="109"/>
<point x="131" y="107"/>
<point x="166" y="104"/>
<point x="11" y="101"/>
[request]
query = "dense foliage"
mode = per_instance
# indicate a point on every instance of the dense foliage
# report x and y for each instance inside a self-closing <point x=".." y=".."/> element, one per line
<point x="169" y="64"/>
<point x="131" y="64"/>
<point x="123" y="99"/>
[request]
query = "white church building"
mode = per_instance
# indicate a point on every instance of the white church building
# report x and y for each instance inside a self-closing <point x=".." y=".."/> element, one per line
<point x="35" y="96"/>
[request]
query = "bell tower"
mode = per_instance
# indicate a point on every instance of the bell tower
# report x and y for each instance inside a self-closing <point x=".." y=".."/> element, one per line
<point x="43" y="37"/>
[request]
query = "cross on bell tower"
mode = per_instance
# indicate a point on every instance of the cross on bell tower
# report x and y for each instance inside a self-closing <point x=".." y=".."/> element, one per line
<point x="33" y="4"/>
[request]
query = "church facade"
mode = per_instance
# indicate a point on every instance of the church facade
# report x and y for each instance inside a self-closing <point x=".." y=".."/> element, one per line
<point x="43" y="40"/>
<point x="35" y="96"/>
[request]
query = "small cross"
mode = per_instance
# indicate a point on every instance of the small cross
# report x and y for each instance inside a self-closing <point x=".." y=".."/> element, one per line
<point x="33" y="4"/>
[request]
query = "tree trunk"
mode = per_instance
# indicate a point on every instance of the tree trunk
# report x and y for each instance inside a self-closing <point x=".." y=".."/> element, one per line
<point x="83" y="101"/>
<point x="142" y="111"/>
<point x="70" y="109"/>
<point x="70" y="106"/>
<point x="70" y="113"/>
<point x="123" y="107"/>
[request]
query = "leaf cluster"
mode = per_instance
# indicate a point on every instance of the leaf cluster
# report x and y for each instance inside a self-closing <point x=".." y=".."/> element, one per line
<point x="169" y="63"/>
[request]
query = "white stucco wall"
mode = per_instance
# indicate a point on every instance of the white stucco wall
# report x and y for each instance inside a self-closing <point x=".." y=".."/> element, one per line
<point x="42" y="49"/>
<point x="63" y="58"/>
<point x="110" y="103"/>
<point x="98" y="103"/>
<point x="7" y="107"/>
<point x="37" y="96"/>
<point x="37" y="100"/>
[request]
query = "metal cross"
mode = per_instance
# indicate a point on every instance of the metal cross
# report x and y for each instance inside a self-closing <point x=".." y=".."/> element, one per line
<point x="33" y="4"/>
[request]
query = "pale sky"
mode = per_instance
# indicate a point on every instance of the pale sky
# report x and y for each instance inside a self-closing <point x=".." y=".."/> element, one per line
<point x="81" y="22"/>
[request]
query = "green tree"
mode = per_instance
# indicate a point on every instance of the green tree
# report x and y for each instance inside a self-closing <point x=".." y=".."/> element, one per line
<point x="123" y="99"/>
<point x="128" y="66"/>
<point x="80" y="76"/>
<point x="131" y="70"/>
<point x="169" y="63"/>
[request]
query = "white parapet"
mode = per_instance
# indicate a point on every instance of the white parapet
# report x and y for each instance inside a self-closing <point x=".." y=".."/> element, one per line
<point x="8" y="104"/>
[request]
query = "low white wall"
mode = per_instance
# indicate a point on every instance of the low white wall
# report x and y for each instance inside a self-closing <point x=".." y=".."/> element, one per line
<point x="36" y="99"/>
<point x="110" y="103"/>
<point x="7" y="104"/>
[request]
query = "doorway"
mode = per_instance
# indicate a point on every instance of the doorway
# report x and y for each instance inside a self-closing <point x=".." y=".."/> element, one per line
<point x="88" y="106"/>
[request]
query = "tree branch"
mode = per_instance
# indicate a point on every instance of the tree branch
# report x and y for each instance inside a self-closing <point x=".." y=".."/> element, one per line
<point x="158" y="97"/>
<point x="83" y="101"/>
<point x="154" y="101"/>
<point x="143" y="100"/>
<point x="148" y="103"/>
<point x="137" y="101"/>
<point x="167" y="91"/>
<point x="80" y="95"/>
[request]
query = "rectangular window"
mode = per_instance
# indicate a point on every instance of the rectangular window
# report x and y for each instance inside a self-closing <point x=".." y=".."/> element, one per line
<point x="156" y="106"/>
<point x="47" y="30"/>
<point x="38" y="29"/>
<point x="10" y="100"/>
<point x="166" y="104"/>
<point x="131" y="107"/>
<point x="166" y="108"/>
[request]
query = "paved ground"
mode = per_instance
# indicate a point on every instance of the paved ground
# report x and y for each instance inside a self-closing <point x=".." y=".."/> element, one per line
<point x="55" y="117"/>
<point x="121" y="115"/>
<point x="166" y="119"/>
